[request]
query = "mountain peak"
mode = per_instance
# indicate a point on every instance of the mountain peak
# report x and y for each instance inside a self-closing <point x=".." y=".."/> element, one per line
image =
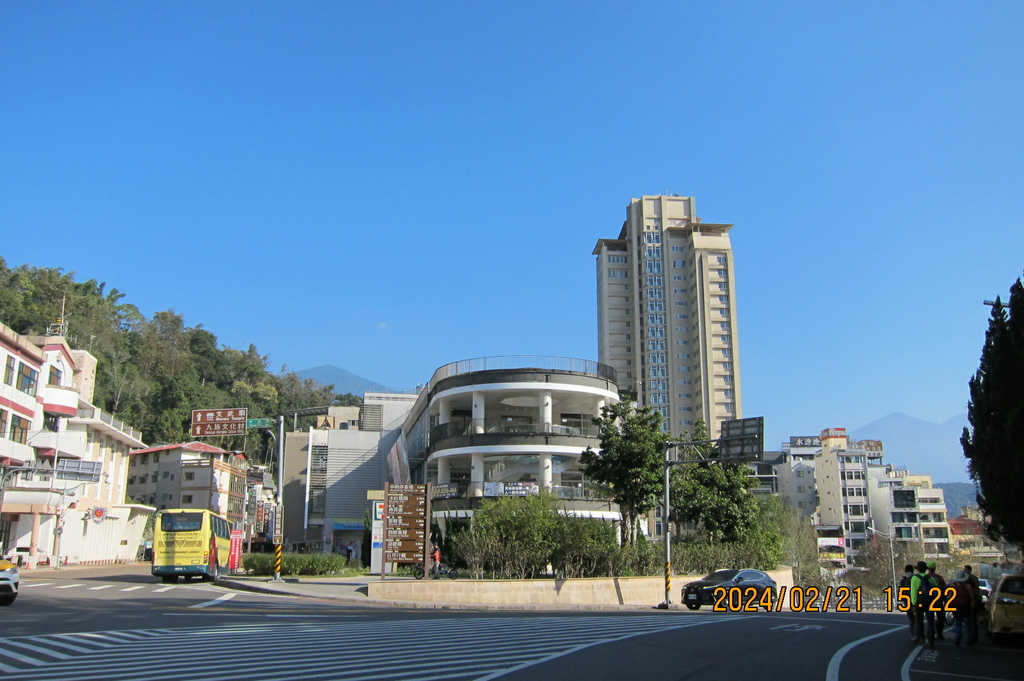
<point x="344" y="381"/>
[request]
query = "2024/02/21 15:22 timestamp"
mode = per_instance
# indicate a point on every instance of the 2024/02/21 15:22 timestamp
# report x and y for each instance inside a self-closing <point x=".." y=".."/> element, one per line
<point x="813" y="599"/>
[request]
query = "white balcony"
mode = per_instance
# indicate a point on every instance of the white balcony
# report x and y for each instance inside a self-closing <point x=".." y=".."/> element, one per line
<point x="58" y="400"/>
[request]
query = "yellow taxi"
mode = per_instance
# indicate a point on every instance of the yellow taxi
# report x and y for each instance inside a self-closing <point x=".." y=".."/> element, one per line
<point x="9" y="581"/>
<point x="1006" y="607"/>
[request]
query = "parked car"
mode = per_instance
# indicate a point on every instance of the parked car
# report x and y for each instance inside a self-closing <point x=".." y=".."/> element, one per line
<point x="9" y="582"/>
<point x="1006" y="607"/>
<point x="702" y="592"/>
<point x="985" y="588"/>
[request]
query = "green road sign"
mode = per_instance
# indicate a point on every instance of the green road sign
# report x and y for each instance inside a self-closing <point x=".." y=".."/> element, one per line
<point x="259" y="423"/>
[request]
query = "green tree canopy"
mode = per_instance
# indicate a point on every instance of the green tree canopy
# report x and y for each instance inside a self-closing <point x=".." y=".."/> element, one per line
<point x="152" y="373"/>
<point x="630" y="461"/>
<point x="716" y="495"/>
<point x="994" y="442"/>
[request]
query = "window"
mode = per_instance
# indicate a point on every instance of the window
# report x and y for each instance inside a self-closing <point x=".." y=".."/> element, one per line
<point x="679" y="249"/>
<point x="682" y="355"/>
<point x="652" y="267"/>
<point x="19" y="429"/>
<point x="655" y="305"/>
<point x="656" y="358"/>
<point x="27" y="379"/>
<point x="655" y="319"/>
<point x="799" y="474"/>
<point x="653" y="251"/>
<point x="682" y="316"/>
<point x="654" y="280"/>
<point x="659" y="398"/>
<point x="656" y="332"/>
<point x="9" y="371"/>
<point x="677" y="263"/>
<point x="186" y="498"/>
<point x="653" y="237"/>
<point x="617" y="274"/>
<point x="617" y="258"/>
<point x="655" y="293"/>
<point x="3" y="423"/>
<point x="656" y="372"/>
<point x="659" y="384"/>
<point x="721" y="259"/>
<point x="655" y="344"/>
<point x="55" y="376"/>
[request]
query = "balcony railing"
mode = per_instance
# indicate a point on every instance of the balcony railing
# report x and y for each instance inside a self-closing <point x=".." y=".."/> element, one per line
<point x="461" y="427"/>
<point x="587" y="491"/>
<point x="542" y="362"/>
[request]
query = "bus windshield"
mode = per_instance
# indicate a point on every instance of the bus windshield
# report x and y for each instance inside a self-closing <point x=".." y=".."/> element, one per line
<point x="181" y="522"/>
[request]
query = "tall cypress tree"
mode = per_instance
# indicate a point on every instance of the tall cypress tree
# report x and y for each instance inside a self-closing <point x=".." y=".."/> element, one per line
<point x="994" y="443"/>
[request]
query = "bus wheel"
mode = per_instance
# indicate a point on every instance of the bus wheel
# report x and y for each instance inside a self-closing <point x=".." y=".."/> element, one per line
<point x="169" y="579"/>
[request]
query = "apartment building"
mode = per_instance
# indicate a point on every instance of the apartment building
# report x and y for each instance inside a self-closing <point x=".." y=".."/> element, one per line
<point x="190" y="475"/>
<point x="910" y="509"/>
<point x="68" y="501"/>
<point x="666" y="313"/>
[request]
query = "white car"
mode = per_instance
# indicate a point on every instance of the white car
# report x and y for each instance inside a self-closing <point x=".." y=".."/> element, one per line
<point x="9" y="581"/>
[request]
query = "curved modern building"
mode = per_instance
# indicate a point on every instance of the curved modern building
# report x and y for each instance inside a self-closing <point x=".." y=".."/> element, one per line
<point x="498" y="426"/>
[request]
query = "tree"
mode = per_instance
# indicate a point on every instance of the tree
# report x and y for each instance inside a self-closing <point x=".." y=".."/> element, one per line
<point x="630" y="461"/>
<point x="714" y="494"/>
<point x="994" y="443"/>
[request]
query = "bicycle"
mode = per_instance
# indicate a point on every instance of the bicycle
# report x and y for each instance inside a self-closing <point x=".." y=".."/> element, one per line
<point x="438" y="571"/>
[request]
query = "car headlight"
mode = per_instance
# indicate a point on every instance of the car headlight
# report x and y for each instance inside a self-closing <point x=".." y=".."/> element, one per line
<point x="13" y="570"/>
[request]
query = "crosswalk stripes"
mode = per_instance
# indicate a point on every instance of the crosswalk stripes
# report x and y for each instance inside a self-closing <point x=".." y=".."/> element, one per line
<point x="312" y="651"/>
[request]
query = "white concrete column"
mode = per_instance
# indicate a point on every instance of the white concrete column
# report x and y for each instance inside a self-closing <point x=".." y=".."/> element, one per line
<point x="545" y="471"/>
<point x="545" y="411"/>
<point x="479" y="413"/>
<point x="444" y="471"/>
<point x="476" y="477"/>
<point x="444" y="410"/>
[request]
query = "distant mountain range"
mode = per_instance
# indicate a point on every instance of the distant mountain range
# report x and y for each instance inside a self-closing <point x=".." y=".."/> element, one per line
<point x="920" y="446"/>
<point x="343" y="381"/>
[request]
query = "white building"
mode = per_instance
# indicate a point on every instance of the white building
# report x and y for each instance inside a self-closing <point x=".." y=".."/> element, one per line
<point x="47" y="422"/>
<point x="497" y="426"/>
<point x="666" y="313"/>
<point x="329" y="469"/>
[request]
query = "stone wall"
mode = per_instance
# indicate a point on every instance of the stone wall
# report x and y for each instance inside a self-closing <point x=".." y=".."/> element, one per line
<point x="639" y="591"/>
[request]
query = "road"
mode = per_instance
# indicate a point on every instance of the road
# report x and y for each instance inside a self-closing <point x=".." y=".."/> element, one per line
<point x="113" y="624"/>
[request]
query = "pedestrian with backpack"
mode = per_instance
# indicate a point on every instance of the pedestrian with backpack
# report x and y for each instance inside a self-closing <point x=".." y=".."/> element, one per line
<point x="904" y="589"/>
<point x="921" y="598"/>
<point x="964" y="598"/>
<point x="940" y="617"/>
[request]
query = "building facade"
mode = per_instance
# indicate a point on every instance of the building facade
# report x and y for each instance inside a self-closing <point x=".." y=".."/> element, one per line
<point x="666" y="313"/>
<point x="191" y="475"/>
<point x="68" y="502"/>
<point x="329" y="469"/>
<point x="509" y="426"/>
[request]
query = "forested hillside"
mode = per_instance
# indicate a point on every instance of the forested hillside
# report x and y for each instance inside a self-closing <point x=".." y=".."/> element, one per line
<point x="153" y="372"/>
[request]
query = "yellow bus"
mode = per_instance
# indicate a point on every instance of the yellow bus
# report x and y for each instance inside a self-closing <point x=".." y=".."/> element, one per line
<point x="190" y="542"/>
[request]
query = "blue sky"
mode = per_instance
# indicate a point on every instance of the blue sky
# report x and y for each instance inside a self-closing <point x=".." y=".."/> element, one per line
<point x="391" y="186"/>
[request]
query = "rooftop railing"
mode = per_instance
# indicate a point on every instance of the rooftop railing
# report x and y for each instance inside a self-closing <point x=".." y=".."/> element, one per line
<point x="541" y="362"/>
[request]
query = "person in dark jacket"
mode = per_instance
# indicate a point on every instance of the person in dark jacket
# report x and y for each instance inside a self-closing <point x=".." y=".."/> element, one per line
<point x="921" y="598"/>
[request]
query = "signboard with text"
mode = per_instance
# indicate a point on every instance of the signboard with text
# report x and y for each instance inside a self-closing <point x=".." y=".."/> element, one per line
<point x="406" y="516"/>
<point x="215" y="422"/>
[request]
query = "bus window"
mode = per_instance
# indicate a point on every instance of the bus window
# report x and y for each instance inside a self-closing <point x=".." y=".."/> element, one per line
<point x="181" y="522"/>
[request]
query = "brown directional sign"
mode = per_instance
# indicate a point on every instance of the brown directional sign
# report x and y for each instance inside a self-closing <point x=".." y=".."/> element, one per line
<point x="405" y="523"/>
<point x="214" y="422"/>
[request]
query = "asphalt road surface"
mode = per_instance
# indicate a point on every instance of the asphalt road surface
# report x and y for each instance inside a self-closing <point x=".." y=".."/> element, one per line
<point x="110" y="624"/>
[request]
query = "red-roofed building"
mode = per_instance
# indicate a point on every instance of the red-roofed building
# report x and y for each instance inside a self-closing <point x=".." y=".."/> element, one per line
<point x="190" y="475"/>
<point x="968" y="537"/>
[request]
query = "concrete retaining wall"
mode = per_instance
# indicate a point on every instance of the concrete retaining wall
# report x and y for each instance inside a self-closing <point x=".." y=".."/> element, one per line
<point x="641" y="591"/>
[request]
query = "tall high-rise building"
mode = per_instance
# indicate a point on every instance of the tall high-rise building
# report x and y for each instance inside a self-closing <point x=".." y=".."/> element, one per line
<point x="666" y="313"/>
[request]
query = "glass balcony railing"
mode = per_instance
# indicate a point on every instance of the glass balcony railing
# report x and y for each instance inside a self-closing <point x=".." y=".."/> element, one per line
<point x="461" y="427"/>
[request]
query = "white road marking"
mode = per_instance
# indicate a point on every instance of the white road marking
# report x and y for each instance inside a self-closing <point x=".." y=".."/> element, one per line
<point x="133" y="588"/>
<point x="29" y="586"/>
<point x="837" y="660"/>
<point x="215" y="601"/>
<point x="68" y="586"/>
<point x="97" y="588"/>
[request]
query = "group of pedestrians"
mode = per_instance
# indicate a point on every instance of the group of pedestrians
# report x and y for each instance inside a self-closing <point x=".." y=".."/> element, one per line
<point x="931" y="597"/>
